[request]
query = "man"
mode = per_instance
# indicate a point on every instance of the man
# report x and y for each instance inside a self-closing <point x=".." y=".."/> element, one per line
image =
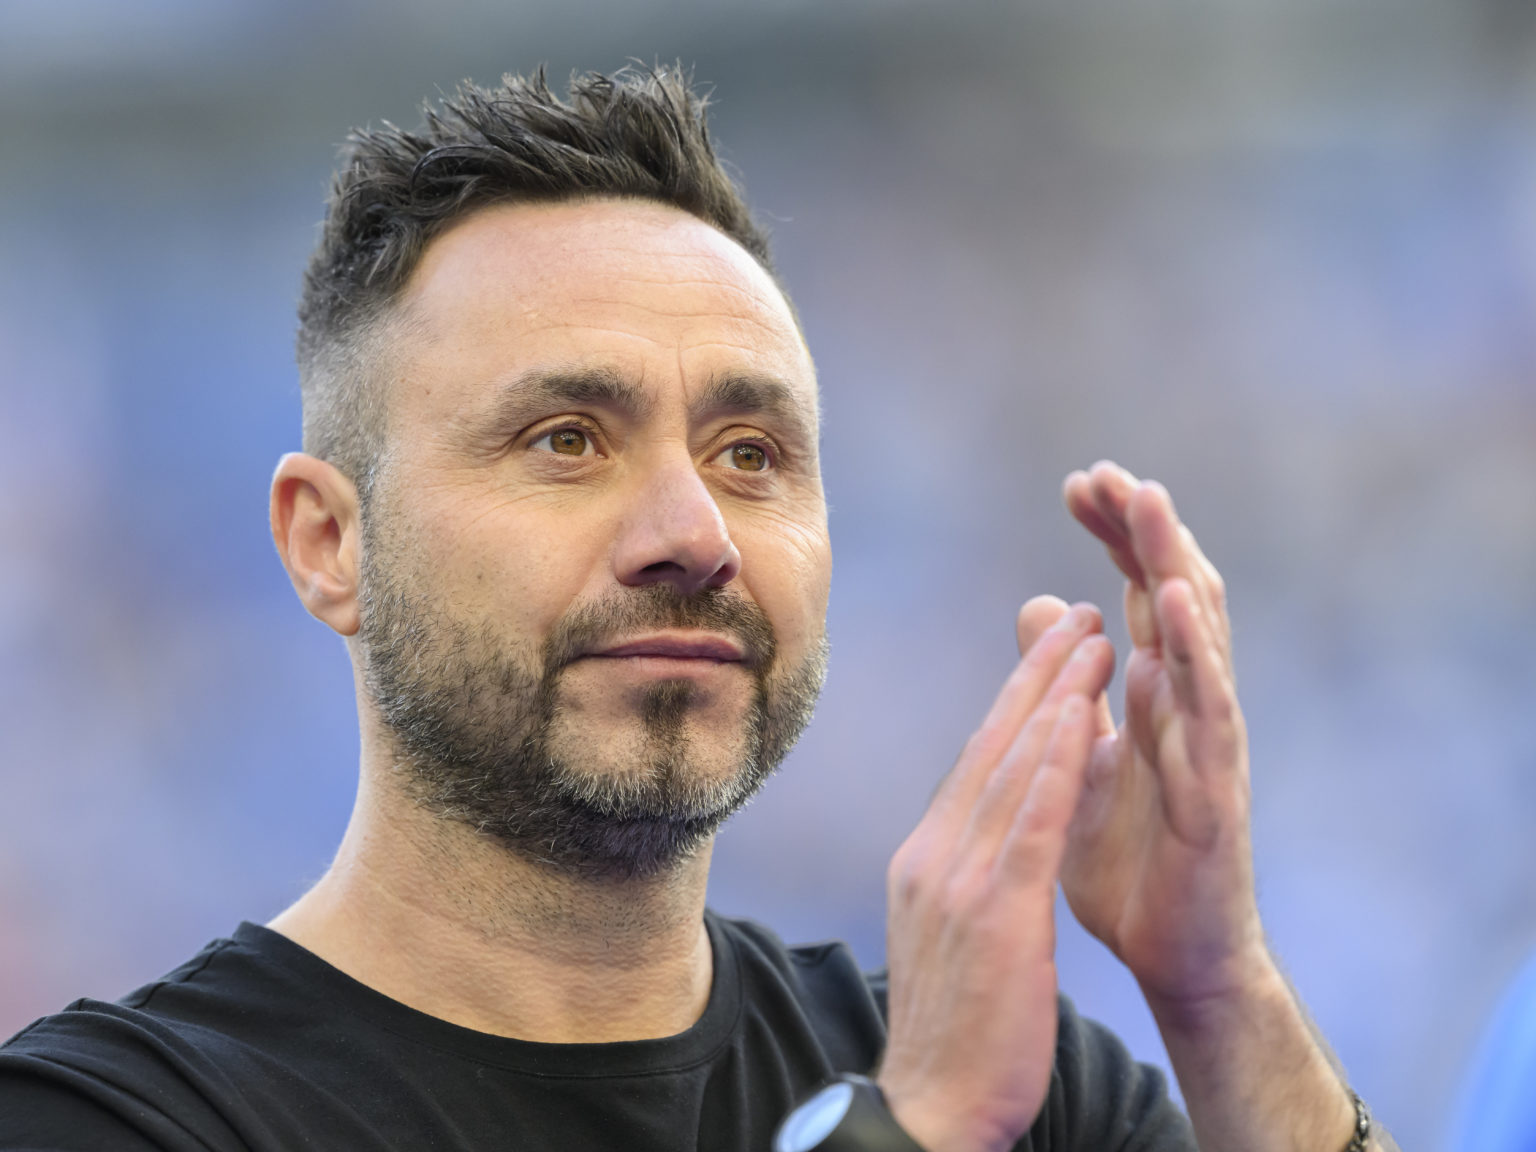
<point x="560" y="492"/>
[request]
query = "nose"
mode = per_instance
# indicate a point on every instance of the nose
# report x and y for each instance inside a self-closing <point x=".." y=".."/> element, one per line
<point x="673" y="533"/>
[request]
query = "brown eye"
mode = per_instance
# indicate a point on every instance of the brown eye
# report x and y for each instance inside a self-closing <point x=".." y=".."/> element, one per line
<point x="749" y="458"/>
<point x="568" y="442"/>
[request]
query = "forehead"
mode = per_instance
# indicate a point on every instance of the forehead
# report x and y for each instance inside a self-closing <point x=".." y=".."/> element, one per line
<point x="641" y="290"/>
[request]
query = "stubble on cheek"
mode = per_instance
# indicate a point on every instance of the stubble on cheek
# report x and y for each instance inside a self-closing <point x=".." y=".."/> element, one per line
<point x="564" y="762"/>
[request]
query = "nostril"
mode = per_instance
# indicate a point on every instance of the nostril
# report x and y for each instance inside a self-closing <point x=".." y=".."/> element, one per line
<point x="663" y="568"/>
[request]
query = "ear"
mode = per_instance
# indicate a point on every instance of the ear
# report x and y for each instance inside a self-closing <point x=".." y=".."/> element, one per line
<point x="315" y="526"/>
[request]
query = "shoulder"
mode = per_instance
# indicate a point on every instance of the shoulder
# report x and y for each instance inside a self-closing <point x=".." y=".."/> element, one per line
<point x="108" y="1037"/>
<point x="102" y="1074"/>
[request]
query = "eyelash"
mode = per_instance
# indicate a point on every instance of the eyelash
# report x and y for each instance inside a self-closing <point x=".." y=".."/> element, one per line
<point x="587" y="430"/>
<point x="770" y="447"/>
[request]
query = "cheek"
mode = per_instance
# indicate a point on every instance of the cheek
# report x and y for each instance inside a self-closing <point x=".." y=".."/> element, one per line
<point x="513" y="565"/>
<point x="787" y="569"/>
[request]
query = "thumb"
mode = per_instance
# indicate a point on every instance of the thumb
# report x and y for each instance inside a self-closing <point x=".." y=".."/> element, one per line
<point x="1036" y="618"/>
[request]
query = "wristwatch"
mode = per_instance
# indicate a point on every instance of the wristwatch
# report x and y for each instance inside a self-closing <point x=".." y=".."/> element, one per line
<point x="848" y="1115"/>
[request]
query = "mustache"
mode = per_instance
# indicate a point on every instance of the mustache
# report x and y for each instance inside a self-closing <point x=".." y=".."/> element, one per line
<point x="605" y="622"/>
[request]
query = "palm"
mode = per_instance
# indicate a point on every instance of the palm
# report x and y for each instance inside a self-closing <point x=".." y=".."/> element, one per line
<point x="1143" y="866"/>
<point x="1158" y="865"/>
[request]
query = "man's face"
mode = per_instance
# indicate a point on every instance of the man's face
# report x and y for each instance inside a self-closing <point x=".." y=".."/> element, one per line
<point x="595" y="557"/>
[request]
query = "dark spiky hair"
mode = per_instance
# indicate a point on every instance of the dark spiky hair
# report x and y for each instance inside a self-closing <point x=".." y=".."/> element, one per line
<point x="639" y="133"/>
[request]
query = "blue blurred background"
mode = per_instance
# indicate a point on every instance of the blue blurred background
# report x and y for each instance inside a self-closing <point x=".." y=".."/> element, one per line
<point x="1280" y="254"/>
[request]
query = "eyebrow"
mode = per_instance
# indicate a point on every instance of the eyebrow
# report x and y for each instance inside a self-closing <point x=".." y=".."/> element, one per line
<point x="536" y="389"/>
<point x="726" y="393"/>
<point x="748" y="393"/>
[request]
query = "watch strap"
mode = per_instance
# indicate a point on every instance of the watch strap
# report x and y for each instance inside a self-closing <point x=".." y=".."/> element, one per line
<point x="866" y="1123"/>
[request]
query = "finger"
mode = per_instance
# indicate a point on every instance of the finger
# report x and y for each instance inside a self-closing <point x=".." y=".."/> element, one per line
<point x="1021" y="693"/>
<point x="1155" y="534"/>
<point x="1107" y="760"/>
<point x="1159" y="541"/>
<point x="1144" y="674"/>
<point x="1103" y="718"/>
<point x="1192" y="655"/>
<point x="1036" y="618"/>
<point x="1183" y="640"/>
<point x="1112" y="486"/>
<point x="1140" y="617"/>
<point x="1211" y="589"/>
<point x="1077" y="491"/>
<point x="1169" y="550"/>
<point x="1085" y="675"/>
<point x="1199" y="727"/>
<point x="1198" y="722"/>
<point x="1037" y="835"/>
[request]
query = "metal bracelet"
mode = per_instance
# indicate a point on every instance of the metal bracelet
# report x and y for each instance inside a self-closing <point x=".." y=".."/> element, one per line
<point x="1362" y="1137"/>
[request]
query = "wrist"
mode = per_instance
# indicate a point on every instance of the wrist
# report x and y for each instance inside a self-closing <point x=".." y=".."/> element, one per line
<point x="1249" y="990"/>
<point x="1250" y="1062"/>
<point x="939" y="1126"/>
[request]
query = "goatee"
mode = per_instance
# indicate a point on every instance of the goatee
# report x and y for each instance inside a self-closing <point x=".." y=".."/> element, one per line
<point x="481" y="736"/>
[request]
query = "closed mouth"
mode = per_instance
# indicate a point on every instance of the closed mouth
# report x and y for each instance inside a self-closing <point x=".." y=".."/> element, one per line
<point x="678" y="646"/>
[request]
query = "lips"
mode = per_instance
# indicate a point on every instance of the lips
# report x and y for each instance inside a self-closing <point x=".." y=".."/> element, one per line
<point x="699" y="646"/>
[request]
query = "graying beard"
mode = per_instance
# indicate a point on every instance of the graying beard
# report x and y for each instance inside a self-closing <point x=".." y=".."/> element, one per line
<point x="473" y="731"/>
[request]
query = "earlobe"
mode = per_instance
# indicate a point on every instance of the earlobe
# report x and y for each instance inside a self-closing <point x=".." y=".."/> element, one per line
<point x="315" y="527"/>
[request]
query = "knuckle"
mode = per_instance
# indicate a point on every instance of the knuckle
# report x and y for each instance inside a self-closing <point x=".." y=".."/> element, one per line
<point x="920" y="875"/>
<point x="905" y="874"/>
<point x="964" y="891"/>
<point x="904" y="889"/>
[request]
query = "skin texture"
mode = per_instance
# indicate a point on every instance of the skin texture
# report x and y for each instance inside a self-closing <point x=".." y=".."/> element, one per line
<point x="643" y="312"/>
<point x="643" y="316"/>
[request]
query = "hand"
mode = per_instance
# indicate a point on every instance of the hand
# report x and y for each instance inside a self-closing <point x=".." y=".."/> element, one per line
<point x="972" y="941"/>
<point x="1159" y="862"/>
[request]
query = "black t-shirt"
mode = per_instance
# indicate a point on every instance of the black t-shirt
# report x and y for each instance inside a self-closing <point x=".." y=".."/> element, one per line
<point x="257" y="1044"/>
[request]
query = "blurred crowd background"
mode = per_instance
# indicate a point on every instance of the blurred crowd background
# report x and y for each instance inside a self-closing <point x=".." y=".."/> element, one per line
<point x="1280" y="254"/>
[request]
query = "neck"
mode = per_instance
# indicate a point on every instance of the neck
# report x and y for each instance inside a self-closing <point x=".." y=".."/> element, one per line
<point x="432" y="914"/>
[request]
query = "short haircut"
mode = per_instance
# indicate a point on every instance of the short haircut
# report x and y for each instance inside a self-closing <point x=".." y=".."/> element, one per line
<point x="638" y="133"/>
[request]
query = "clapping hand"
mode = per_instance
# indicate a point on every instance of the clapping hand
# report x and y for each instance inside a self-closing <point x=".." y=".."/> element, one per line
<point x="1145" y="825"/>
<point x="1159" y="863"/>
